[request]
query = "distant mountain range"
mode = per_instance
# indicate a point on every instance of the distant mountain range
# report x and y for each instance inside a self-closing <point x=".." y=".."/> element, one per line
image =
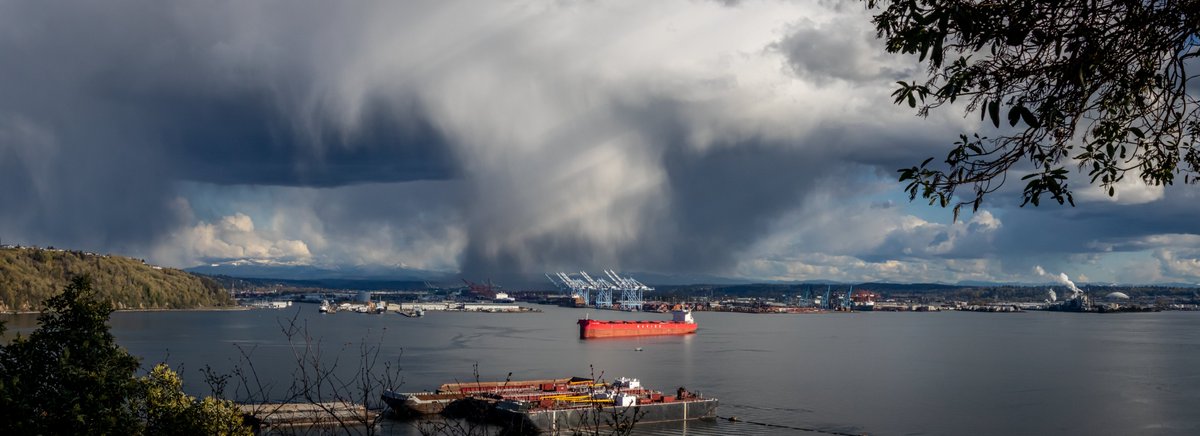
<point x="249" y="268"/>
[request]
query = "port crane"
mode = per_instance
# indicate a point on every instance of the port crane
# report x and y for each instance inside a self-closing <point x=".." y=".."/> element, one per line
<point x="599" y="291"/>
<point x="603" y="290"/>
<point x="631" y="291"/>
<point x="571" y="286"/>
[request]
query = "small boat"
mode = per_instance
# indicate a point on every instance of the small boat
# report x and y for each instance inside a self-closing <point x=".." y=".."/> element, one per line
<point x="326" y="307"/>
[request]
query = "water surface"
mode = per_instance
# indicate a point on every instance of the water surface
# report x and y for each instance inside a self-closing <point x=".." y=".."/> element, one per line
<point x="944" y="373"/>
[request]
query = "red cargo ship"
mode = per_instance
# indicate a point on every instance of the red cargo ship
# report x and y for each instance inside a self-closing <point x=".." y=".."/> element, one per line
<point x="682" y="324"/>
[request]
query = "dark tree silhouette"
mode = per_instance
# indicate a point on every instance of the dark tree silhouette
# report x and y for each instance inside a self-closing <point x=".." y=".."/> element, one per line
<point x="1100" y="84"/>
<point x="70" y="377"/>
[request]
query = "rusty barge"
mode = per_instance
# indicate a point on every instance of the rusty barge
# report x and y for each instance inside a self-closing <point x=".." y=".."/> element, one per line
<point x="555" y="405"/>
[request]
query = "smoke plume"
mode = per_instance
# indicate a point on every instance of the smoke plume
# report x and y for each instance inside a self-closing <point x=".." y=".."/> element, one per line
<point x="1061" y="279"/>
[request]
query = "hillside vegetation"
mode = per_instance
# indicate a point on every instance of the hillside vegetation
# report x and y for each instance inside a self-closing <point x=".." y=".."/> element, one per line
<point x="28" y="276"/>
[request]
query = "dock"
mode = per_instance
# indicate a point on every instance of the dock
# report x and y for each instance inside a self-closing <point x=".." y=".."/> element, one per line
<point x="264" y="416"/>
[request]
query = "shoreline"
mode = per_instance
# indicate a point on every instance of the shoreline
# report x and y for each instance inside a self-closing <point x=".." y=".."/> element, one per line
<point x="193" y="309"/>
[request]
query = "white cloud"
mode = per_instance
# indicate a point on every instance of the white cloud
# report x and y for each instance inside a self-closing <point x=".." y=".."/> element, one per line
<point x="816" y="266"/>
<point x="230" y="237"/>
<point x="1146" y="242"/>
<point x="1130" y="190"/>
<point x="826" y="240"/>
<point x="1180" y="264"/>
<point x="396" y="225"/>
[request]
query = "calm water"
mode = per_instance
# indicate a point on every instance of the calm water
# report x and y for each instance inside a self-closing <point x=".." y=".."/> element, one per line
<point x="875" y="373"/>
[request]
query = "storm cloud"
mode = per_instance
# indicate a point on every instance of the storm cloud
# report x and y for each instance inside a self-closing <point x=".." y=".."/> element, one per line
<point x="752" y="139"/>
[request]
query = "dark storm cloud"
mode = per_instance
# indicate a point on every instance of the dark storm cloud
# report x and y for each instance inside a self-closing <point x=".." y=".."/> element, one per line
<point x="103" y="107"/>
<point x="248" y="142"/>
<point x="165" y="90"/>
<point x="723" y="200"/>
<point x="258" y="97"/>
<point x="498" y="138"/>
<point x="1057" y="230"/>
<point x="726" y="200"/>
<point x="710" y="205"/>
<point x="717" y="204"/>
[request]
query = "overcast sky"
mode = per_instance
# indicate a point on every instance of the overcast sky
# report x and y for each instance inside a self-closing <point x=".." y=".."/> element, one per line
<point x="751" y="139"/>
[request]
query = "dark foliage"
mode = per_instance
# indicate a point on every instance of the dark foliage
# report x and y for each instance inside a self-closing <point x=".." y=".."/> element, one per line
<point x="1102" y="84"/>
<point x="69" y="376"/>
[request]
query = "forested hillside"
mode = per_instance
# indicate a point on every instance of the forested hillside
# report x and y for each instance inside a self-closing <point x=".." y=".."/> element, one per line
<point x="29" y="275"/>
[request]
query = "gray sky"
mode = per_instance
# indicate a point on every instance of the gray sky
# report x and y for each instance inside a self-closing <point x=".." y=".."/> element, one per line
<point x="750" y="139"/>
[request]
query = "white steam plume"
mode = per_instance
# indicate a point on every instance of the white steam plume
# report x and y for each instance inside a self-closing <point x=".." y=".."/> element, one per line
<point x="1062" y="279"/>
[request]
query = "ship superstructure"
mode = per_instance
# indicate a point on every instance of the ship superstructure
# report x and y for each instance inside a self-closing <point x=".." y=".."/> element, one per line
<point x="863" y="300"/>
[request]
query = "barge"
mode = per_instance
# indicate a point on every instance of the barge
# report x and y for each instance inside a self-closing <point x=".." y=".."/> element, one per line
<point x="416" y="404"/>
<point x="603" y="411"/>
<point x="557" y="405"/>
<point x="681" y="324"/>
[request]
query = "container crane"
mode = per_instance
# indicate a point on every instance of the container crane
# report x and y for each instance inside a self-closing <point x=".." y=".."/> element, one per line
<point x="598" y="291"/>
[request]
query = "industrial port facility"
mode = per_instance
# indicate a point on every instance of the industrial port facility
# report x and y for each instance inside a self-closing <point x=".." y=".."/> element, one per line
<point x="612" y="290"/>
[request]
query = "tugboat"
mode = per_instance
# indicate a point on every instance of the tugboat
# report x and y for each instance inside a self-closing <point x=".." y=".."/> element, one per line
<point x="681" y="324"/>
<point x="326" y="307"/>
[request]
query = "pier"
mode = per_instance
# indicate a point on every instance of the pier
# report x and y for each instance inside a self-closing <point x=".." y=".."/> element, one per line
<point x="265" y="416"/>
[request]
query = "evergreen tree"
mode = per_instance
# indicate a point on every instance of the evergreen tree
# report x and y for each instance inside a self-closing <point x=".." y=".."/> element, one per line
<point x="70" y="377"/>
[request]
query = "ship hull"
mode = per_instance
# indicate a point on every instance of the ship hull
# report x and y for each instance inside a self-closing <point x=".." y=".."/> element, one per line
<point x="603" y="419"/>
<point x="411" y="405"/>
<point x="592" y="329"/>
